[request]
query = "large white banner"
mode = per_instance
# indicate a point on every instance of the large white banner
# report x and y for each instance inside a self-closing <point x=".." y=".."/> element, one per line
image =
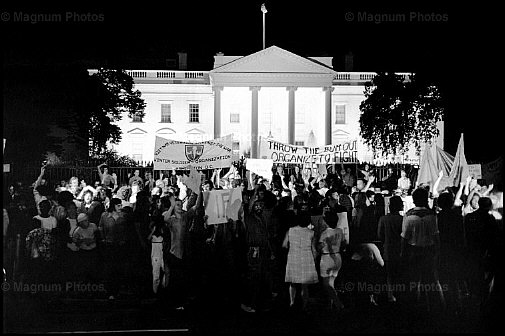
<point x="222" y="204"/>
<point x="345" y="152"/>
<point x="172" y="154"/>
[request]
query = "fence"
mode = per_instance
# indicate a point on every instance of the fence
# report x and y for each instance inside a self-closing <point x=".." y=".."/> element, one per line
<point x="28" y="173"/>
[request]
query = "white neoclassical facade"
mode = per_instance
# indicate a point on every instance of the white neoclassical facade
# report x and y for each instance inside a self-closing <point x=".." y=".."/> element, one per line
<point x="271" y="93"/>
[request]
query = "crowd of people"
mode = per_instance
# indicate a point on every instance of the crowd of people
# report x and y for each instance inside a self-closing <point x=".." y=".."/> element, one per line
<point x="294" y="232"/>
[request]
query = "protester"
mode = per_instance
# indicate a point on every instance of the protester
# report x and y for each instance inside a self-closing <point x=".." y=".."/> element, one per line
<point x="331" y="260"/>
<point x="389" y="231"/>
<point x="421" y="243"/>
<point x="300" y="267"/>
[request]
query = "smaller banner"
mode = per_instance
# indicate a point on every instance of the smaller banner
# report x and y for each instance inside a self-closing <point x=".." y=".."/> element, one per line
<point x="172" y="154"/>
<point x="261" y="167"/>
<point x="222" y="204"/>
<point x="475" y="170"/>
<point x="194" y="180"/>
<point x="321" y="168"/>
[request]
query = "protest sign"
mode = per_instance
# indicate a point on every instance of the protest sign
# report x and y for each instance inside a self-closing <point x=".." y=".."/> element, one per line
<point x="194" y="180"/>
<point x="492" y="172"/>
<point x="343" y="224"/>
<point x="172" y="154"/>
<point x="261" y="167"/>
<point x="345" y="152"/>
<point x="222" y="204"/>
<point x="475" y="171"/>
<point x="321" y="168"/>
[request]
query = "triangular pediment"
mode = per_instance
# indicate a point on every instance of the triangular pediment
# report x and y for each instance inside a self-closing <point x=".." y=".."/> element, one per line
<point x="340" y="134"/>
<point x="166" y="130"/>
<point x="274" y="60"/>
<point x="136" y="131"/>
<point x="195" y="131"/>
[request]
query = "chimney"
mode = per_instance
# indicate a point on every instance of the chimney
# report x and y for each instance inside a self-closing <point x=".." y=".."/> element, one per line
<point x="183" y="60"/>
<point x="218" y="59"/>
<point x="349" y="62"/>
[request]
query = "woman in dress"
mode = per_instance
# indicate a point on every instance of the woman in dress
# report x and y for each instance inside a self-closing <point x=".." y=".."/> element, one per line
<point x="300" y="268"/>
<point x="331" y="260"/>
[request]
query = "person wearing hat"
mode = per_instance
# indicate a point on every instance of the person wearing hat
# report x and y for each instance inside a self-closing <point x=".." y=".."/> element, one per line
<point x="84" y="238"/>
<point x="84" y="235"/>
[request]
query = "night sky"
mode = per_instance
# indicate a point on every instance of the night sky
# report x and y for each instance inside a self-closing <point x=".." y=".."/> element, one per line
<point x="449" y="45"/>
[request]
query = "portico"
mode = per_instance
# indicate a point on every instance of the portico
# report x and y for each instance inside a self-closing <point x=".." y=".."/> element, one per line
<point x="273" y="92"/>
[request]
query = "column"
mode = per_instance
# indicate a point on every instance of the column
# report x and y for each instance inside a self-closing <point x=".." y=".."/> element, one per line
<point x="254" y="121"/>
<point x="291" y="114"/>
<point x="327" y="114"/>
<point x="217" y="111"/>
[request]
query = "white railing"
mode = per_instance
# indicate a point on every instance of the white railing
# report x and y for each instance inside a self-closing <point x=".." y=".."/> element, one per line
<point x="203" y="76"/>
<point x="193" y="76"/>
<point x="168" y="74"/>
<point x="362" y="76"/>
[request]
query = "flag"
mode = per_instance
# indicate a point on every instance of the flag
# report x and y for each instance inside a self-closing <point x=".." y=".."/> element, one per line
<point x="459" y="171"/>
<point x="428" y="172"/>
<point x="445" y="161"/>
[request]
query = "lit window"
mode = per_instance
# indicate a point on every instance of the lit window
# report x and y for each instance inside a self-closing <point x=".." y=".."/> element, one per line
<point x="137" y="151"/>
<point x="235" y="146"/>
<point x="166" y="113"/>
<point x="340" y="114"/>
<point x="194" y="113"/>
<point x="234" y="118"/>
<point x="300" y="118"/>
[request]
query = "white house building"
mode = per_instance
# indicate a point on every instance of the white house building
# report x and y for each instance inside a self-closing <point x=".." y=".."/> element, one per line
<point x="271" y="93"/>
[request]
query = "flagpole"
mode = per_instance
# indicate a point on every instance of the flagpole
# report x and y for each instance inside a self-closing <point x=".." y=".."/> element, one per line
<point x="264" y="11"/>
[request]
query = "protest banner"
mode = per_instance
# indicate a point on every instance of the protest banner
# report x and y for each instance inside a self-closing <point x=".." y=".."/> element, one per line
<point x="475" y="170"/>
<point x="261" y="167"/>
<point x="345" y="152"/>
<point x="222" y="204"/>
<point x="211" y="154"/>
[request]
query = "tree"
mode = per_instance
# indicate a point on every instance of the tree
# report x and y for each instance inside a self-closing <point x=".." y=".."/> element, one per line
<point x="113" y="159"/>
<point x="114" y="95"/>
<point x="397" y="114"/>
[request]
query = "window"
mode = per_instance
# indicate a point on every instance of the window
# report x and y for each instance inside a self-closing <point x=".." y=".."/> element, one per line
<point x="137" y="151"/>
<point x="137" y="118"/>
<point x="234" y="118"/>
<point x="166" y="113"/>
<point x="194" y="113"/>
<point x="300" y="117"/>
<point x="235" y="147"/>
<point x="340" y="114"/>
<point x="299" y="143"/>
